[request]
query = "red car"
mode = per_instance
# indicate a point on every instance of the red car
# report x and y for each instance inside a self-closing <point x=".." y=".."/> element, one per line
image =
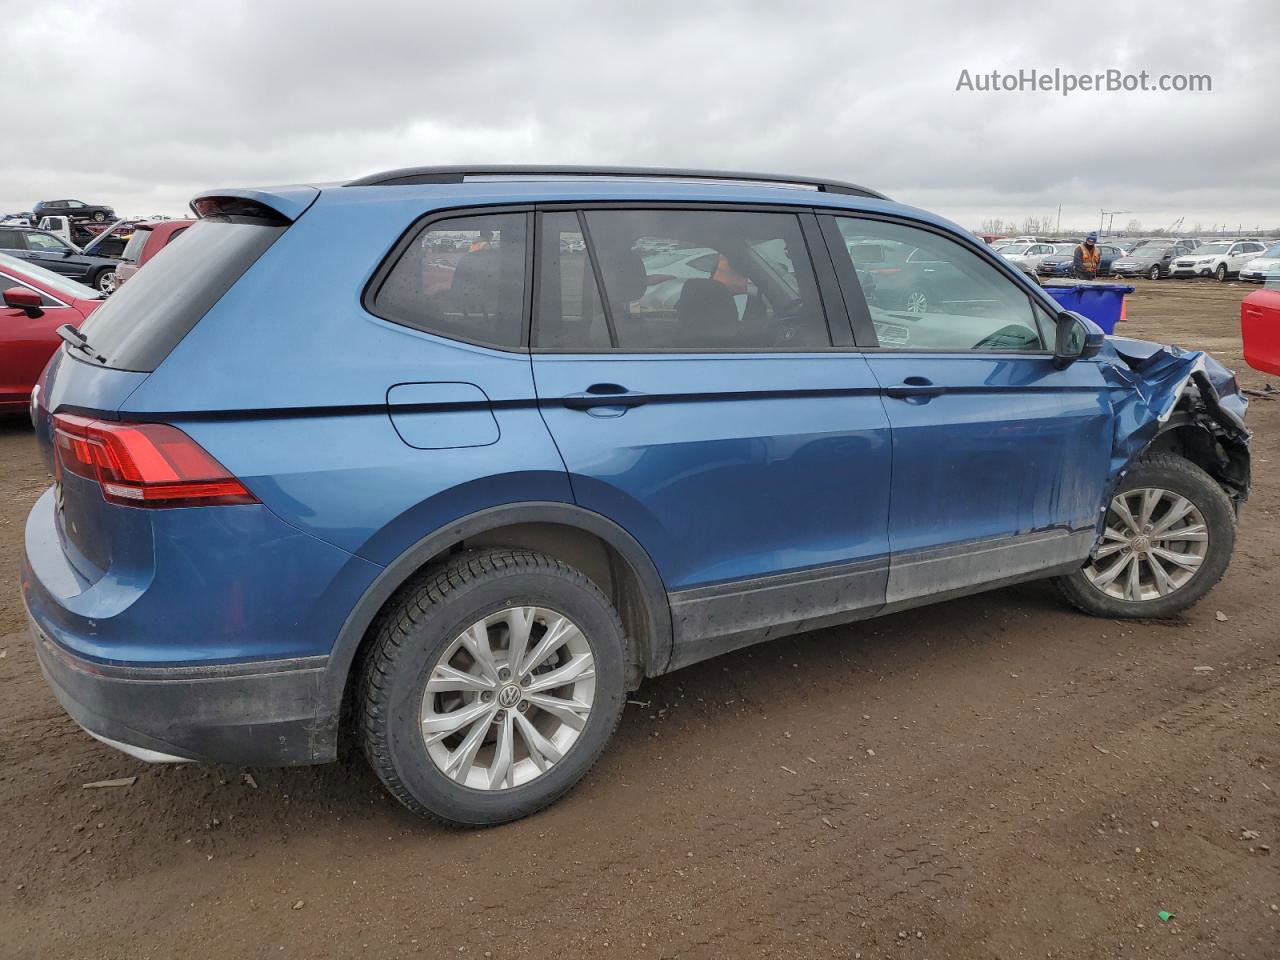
<point x="36" y="302"/>
<point x="1260" y="329"/>
<point x="148" y="239"/>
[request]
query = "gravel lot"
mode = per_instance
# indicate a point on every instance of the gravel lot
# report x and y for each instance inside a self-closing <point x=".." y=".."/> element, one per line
<point x="994" y="777"/>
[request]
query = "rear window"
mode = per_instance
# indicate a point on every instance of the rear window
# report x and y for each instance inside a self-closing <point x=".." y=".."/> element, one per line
<point x="133" y="249"/>
<point x="143" y="320"/>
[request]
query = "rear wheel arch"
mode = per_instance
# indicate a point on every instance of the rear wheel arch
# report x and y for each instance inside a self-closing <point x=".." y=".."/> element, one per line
<point x="591" y="543"/>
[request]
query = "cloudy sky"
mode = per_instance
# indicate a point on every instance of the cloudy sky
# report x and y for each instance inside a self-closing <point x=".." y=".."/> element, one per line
<point x="142" y="103"/>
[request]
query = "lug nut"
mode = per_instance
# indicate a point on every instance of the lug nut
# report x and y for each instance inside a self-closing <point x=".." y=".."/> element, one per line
<point x="500" y="716"/>
<point x="526" y="681"/>
<point x="523" y="706"/>
<point x="486" y="696"/>
<point x="504" y="674"/>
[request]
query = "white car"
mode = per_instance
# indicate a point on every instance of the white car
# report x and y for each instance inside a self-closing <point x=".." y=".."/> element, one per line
<point x="1263" y="268"/>
<point x="1221" y="259"/>
<point x="1028" y="253"/>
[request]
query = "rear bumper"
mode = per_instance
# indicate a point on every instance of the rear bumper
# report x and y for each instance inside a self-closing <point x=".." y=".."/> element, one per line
<point x="256" y="714"/>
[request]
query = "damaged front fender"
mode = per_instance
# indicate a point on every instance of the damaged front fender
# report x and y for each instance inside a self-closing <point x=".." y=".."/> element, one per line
<point x="1178" y="400"/>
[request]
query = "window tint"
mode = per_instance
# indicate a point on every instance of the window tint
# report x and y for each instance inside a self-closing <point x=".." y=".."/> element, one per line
<point x="723" y="281"/>
<point x="146" y="317"/>
<point x="931" y="293"/>
<point x="461" y="278"/>
<point x="570" y="312"/>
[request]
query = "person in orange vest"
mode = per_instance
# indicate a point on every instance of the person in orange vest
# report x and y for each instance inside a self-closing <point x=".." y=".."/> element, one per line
<point x="1084" y="263"/>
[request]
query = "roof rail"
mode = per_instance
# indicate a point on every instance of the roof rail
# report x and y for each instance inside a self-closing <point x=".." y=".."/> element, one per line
<point x="460" y="174"/>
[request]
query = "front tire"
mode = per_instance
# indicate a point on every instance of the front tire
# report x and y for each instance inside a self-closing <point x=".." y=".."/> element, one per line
<point x="105" y="280"/>
<point x="1154" y="273"/>
<point x="100" y="217"/>
<point x="1168" y="538"/>
<point x="492" y="687"/>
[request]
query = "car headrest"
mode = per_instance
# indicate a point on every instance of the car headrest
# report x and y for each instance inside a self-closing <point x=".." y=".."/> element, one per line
<point x="623" y="272"/>
<point x="707" y="304"/>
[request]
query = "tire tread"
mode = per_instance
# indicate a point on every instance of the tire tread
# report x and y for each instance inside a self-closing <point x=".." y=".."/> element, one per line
<point x="1084" y="597"/>
<point x="420" y="598"/>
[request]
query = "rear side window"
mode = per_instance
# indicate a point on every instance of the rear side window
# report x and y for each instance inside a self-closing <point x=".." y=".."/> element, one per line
<point x="143" y="320"/>
<point x="463" y="279"/>
<point x="694" y="280"/>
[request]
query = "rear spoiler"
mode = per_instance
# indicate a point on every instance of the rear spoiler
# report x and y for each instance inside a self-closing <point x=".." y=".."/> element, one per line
<point x="276" y="206"/>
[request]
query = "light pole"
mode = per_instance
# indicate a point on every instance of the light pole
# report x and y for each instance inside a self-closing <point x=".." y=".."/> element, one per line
<point x="1111" y="222"/>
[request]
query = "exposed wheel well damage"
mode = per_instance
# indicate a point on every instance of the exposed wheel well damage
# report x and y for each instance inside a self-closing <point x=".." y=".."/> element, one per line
<point x="1180" y="402"/>
<point x="1201" y="429"/>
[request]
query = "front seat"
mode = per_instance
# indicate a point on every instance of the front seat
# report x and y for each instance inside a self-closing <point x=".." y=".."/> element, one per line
<point x="707" y="314"/>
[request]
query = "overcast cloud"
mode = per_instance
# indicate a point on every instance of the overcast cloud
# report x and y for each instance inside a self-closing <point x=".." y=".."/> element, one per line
<point x="142" y="104"/>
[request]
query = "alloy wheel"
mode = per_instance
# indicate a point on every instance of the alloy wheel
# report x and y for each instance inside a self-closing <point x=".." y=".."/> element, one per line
<point x="917" y="302"/>
<point x="1153" y="543"/>
<point x="508" y="698"/>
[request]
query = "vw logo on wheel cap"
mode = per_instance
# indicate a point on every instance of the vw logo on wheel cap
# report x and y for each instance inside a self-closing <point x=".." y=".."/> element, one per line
<point x="509" y="695"/>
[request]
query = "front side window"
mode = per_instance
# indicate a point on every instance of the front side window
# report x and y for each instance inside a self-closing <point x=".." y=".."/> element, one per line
<point x="44" y="241"/>
<point x="696" y="280"/>
<point x="463" y="279"/>
<point x="941" y="296"/>
<point x="7" y="281"/>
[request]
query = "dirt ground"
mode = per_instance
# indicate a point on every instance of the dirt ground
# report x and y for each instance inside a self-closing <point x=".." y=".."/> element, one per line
<point x="994" y="777"/>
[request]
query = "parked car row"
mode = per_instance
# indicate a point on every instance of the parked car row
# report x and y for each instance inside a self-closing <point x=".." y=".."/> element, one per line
<point x="1152" y="257"/>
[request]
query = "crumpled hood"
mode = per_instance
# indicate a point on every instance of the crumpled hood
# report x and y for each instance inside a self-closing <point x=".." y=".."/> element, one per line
<point x="1158" y="377"/>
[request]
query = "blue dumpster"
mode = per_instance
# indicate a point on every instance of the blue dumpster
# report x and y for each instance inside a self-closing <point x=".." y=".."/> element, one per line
<point x="1100" y="302"/>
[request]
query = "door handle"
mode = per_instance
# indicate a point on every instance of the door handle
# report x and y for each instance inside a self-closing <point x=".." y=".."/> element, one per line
<point x="915" y="387"/>
<point x="604" y="395"/>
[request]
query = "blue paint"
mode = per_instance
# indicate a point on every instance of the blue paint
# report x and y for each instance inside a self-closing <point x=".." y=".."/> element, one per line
<point x="442" y="416"/>
<point x="361" y="437"/>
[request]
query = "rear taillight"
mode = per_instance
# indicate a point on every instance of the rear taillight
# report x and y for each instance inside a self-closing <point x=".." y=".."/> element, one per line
<point x="144" y="464"/>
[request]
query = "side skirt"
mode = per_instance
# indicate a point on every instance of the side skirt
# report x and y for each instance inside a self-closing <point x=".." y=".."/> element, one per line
<point x="711" y="620"/>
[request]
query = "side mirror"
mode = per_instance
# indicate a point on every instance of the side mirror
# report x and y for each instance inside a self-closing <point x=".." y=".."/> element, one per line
<point x="24" y="299"/>
<point x="1079" y="338"/>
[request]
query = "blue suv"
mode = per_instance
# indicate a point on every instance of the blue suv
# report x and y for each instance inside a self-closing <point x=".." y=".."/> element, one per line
<point x="448" y="460"/>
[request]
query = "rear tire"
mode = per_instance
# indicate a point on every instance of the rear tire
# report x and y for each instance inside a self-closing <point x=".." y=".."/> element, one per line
<point x="1221" y="273"/>
<point x="517" y="756"/>
<point x="1171" y="573"/>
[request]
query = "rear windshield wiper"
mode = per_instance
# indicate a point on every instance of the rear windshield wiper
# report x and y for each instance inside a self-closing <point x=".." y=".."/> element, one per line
<point x="78" y="341"/>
